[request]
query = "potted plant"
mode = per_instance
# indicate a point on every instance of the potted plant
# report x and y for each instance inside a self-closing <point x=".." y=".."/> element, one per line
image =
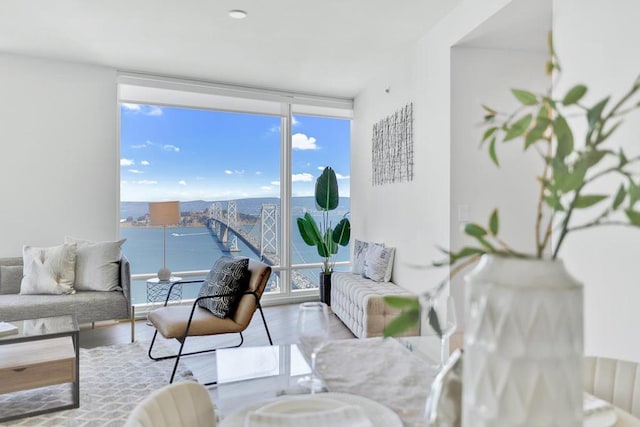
<point x="524" y="333"/>
<point x="324" y="236"/>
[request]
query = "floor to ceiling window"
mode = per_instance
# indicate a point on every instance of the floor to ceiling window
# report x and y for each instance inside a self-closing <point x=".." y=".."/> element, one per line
<point x="234" y="168"/>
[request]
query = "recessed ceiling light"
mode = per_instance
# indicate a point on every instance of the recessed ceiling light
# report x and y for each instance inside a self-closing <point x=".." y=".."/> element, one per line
<point x="238" y="14"/>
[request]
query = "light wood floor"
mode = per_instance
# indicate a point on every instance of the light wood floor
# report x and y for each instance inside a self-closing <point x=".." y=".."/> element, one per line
<point x="280" y="319"/>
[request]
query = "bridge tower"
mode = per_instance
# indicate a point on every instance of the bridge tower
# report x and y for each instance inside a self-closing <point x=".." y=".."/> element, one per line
<point x="232" y="222"/>
<point x="268" y="229"/>
<point x="216" y="214"/>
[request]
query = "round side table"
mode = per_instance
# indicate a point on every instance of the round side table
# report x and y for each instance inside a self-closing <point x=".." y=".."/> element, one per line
<point x="157" y="289"/>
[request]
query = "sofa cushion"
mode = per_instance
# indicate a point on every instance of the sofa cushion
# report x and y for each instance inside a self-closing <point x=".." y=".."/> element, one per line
<point x="10" y="278"/>
<point x="228" y="276"/>
<point x="88" y="306"/>
<point x="48" y="270"/>
<point x="97" y="265"/>
<point x="378" y="263"/>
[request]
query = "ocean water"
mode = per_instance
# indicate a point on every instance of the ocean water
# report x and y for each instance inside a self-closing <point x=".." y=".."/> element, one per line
<point x="194" y="248"/>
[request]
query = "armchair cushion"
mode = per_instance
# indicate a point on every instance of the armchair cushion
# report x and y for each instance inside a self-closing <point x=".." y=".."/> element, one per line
<point x="229" y="277"/>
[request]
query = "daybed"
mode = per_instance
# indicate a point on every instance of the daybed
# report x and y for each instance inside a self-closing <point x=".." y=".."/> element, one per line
<point x="88" y="306"/>
<point x="359" y="303"/>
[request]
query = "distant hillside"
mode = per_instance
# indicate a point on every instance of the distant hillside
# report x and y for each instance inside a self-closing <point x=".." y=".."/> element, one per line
<point x="248" y="206"/>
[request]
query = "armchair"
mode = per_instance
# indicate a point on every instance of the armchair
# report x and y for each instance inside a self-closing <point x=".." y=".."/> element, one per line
<point x="180" y="321"/>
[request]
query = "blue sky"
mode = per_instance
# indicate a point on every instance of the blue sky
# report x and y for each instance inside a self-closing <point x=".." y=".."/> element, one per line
<point x="183" y="154"/>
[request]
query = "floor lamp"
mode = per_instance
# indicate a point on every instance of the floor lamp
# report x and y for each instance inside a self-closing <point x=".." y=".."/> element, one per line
<point x="164" y="214"/>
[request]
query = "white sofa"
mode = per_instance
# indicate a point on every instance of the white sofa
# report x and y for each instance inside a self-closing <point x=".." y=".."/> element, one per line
<point x="359" y="303"/>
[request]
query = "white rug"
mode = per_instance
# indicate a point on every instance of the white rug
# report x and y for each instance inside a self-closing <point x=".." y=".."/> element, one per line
<point x="113" y="380"/>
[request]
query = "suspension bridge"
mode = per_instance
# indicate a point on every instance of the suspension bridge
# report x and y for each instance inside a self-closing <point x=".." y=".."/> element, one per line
<point x="261" y="236"/>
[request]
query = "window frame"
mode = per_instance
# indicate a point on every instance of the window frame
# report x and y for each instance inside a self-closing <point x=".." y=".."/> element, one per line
<point x="158" y="90"/>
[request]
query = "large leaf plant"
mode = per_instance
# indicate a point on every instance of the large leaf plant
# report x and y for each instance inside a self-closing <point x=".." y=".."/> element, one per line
<point x="324" y="236"/>
<point x="572" y="165"/>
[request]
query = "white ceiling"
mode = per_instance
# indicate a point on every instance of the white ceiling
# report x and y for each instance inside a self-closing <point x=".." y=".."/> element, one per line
<point x="325" y="47"/>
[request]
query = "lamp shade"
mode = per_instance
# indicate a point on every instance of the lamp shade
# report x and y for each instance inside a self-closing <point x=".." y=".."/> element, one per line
<point x="164" y="213"/>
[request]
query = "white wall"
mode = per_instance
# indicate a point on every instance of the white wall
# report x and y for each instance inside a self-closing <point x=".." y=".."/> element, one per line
<point x="414" y="217"/>
<point x="485" y="76"/>
<point x="598" y="46"/>
<point x="59" y="165"/>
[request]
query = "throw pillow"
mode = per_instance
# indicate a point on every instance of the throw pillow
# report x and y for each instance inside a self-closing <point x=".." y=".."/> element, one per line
<point x="378" y="263"/>
<point x="228" y="276"/>
<point x="97" y="267"/>
<point x="359" y="253"/>
<point x="49" y="270"/>
<point x="10" y="278"/>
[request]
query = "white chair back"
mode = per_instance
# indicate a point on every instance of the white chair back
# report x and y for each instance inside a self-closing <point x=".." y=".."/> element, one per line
<point x="184" y="404"/>
<point x="616" y="381"/>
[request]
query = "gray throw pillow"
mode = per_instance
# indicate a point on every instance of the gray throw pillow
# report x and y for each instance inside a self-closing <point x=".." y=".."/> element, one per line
<point x="228" y="276"/>
<point x="10" y="278"/>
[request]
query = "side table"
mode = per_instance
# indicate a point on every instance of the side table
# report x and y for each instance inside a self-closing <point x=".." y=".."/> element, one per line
<point x="157" y="289"/>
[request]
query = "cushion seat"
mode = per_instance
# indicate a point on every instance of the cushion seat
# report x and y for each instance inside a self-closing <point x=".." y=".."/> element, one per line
<point x="171" y="322"/>
<point x="359" y="303"/>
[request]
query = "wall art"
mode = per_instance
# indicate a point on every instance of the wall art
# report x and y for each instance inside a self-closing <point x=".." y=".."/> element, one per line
<point x="392" y="148"/>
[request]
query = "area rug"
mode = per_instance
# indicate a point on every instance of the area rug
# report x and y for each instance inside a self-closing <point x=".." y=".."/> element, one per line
<point x="113" y="380"/>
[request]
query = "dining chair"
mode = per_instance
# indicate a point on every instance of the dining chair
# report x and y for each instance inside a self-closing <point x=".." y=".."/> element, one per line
<point x="183" y="404"/>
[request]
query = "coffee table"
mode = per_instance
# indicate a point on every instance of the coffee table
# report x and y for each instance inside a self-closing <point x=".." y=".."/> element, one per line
<point x="44" y="352"/>
<point x="253" y="374"/>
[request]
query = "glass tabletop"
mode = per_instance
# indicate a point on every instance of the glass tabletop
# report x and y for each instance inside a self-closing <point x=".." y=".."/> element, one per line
<point x="252" y="374"/>
<point x="41" y="328"/>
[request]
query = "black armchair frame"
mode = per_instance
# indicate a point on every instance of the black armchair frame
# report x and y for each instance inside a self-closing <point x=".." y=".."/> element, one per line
<point x="183" y="338"/>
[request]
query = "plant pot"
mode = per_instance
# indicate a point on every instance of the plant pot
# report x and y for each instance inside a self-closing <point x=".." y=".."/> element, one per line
<point x="523" y="345"/>
<point x="325" y="288"/>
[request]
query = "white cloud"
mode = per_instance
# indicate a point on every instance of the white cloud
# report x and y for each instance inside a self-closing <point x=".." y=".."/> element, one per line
<point x="154" y="111"/>
<point x="145" y="163"/>
<point x="339" y="176"/>
<point x="301" y="177"/>
<point x="131" y="107"/>
<point x="294" y="121"/>
<point x="127" y="162"/>
<point x="300" y="141"/>
<point x="321" y="168"/>
<point x="258" y="172"/>
<point x="239" y="172"/>
<point x="266" y="188"/>
<point x="135" y="171"/>
<point x="182" y="182"/>
<point x="145" y="182"/>
<point x="143" y="145"/>
<point x="170" y="147"/>
<point x="275" y="183"/>
<point x="275" y="129"/>
<point x="228" y="172"/>
<point x="147" y="110"/>
<point x="199" y="178"/>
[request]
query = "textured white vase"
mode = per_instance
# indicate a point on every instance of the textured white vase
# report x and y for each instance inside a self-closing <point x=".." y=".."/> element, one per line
<point x="523" y="345"/>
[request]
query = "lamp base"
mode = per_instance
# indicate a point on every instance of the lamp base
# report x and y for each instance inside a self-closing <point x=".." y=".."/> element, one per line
<point x="164" y="274"/>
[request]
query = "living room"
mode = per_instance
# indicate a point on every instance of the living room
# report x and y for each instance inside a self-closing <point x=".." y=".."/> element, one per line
<point x="61" y="164"/>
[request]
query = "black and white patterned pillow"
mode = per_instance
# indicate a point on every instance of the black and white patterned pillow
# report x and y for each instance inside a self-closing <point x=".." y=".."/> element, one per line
<point x="228" y="276"/>
<point x="359" y="253"/>
<point x="378" y="263"/>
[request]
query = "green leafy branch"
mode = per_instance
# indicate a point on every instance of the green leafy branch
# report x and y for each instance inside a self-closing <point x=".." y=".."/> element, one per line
<point x="569" y="165"/>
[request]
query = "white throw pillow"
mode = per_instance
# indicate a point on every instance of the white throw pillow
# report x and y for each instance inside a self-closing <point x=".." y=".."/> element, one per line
<point x="359" y="253"/>
<point x="97" y="267"/>
<point x="378" y="263"/>
<point x="49" y="270"/>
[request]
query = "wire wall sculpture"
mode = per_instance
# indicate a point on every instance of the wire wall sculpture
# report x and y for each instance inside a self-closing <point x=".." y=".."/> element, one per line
<point x="392" y="147"/>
